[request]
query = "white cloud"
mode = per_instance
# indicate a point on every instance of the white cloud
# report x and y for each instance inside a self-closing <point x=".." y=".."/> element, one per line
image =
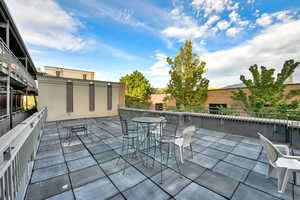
<point x="270" y="48"/>
<point x="232" y="32"/>
<point x="236" y="18"/>
<point x="281" y="16"/>
<point x="214" y="6"/>
<point x="45" y="23"/>
<point x="222" y="25"/>
<point x="212" y="19"/>
<point x="185" y="27"/>
<point x="160" y="67"/>
<point x="158" y="73"/>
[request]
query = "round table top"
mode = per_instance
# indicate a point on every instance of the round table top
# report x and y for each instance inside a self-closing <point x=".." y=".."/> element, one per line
<point x="147" y="119"/>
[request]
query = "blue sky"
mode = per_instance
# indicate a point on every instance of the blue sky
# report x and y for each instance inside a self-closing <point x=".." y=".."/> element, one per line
<point x="116" y="37"/>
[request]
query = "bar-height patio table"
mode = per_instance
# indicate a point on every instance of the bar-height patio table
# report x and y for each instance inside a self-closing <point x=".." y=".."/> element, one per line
<point x="147" y="122"/>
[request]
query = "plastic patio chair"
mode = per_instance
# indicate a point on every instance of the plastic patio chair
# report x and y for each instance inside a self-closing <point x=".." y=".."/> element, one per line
<point x="285" y="164"/>
<point x="185" y="140"/>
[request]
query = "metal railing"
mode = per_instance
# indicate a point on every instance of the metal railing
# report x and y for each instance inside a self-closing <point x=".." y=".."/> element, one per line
<point x="9" y="60"/>
<point x="17" y="151"/>
<point x="280" y="130"/>
<point x="269" y="113"/>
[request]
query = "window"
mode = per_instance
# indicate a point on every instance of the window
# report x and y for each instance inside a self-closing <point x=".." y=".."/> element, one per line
<point x="84" y="76"/>
<point x="159" y="106"/>
<point x="92" y="97"/>
<point x="57" y="73"/>
<point x="109" y="97"/>
<point x="69" y="97"/>
<point x="215" y="108"/>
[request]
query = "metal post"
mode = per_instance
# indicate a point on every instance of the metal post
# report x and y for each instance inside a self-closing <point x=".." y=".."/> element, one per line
<point x="7" y="33"/>
<point x="8" y="93"/>
<point x="26" y="99"/>
<point x="11" y="108"/>
<point x="26" y="65"/>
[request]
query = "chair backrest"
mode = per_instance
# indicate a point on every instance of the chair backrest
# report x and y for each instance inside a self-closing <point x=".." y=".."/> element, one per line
<point x="272" y="152"/>
<point x="124" y="126"/>
<point x="187" y="134"/>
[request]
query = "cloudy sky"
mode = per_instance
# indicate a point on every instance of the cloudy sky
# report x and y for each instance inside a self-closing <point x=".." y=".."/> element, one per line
<point x="115" y="37"/>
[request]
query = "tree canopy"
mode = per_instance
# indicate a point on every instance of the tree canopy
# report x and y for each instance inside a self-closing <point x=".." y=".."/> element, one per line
<point x="267" y="91"/>
<point x="137" y="88"/>
<point x="187" y="84"/>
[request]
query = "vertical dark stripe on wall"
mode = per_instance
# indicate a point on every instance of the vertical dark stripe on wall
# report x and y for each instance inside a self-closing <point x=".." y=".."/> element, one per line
<point x="92" y="97"/>
<point x="109" y="97"/>
<point x="69" y="97"/>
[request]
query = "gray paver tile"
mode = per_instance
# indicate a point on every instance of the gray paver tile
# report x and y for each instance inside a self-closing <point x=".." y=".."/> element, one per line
<point x="47" y="162"/>
<point x="113" y="166"/>
<point x="117" y="197"/>
<point x="231" y="171"/>
<point x="218" y="183"/>
<point x="195" y="192"/>
<point x="247" y="193"/>
<point x="222" y="147"/>
<point x="106" y="156"/>
<point x="86" y="175"/>
<point x="148" y="171"/>
<point x="235" y="138"/>
<point x="240" y="161"/>
<point x="172" y="182"/>
<point x="49" y="172"/>
<point x="81" y="163"/>
<point x="215" y="153"/>
<point x="48" y="188"/>
<point x="76" y="155"/>
<point x="127" y="180"/>
<point x="73" y="148"/>
<point x="146" y="189"/>
<point x="204" y="161"/>
<point x="100" y="189"/>
<point x="46" y="154"/>
<point x="269" y="186"/>
<point x="228" y="142"/>
<point x="68" y="195"/>
<point x="191" y="170"/>
<point x="245" y="152"/>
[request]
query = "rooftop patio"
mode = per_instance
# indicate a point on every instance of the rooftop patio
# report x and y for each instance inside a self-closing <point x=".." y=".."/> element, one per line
<point x="224" y="166"/>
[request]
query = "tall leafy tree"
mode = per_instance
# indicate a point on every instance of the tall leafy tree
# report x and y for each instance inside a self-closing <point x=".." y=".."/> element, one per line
<point x="187" y="84"/>
<point x="266" y="90"/>
<point x="137" y="88"/>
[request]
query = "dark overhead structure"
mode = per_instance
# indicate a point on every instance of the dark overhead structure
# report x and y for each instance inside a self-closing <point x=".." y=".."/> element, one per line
<point x="17" y="70"/>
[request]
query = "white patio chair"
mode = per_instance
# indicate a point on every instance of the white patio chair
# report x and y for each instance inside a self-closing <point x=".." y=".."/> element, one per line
<point x="185" y="140"/>
<point x="285" y="164"/>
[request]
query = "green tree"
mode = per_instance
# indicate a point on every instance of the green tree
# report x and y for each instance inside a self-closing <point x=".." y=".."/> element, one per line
<point x="187" y="84"/>
<point x="137" y="88"/>
<point x="267" y="92"/>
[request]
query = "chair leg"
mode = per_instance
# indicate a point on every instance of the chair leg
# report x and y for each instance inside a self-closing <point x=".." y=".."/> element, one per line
<point x="191" y="150"/>
<point x="161" y="163"/>
<point x="270" y="169"/>
<point x="122" y="152"/>
<point x="181" y="154"/>
<point x="176" y="159"/>
<point x="154" y="154"/>
<point x="284" y="181"/>
<point x="127" y="152"/>
<point x="168" y="154"/>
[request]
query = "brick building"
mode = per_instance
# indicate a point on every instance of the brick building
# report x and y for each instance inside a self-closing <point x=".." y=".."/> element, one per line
<point x="215" y="97"/>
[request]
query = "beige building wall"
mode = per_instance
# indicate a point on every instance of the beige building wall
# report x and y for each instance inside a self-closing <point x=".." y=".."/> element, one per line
<point x="69" y="73"/>
<point x="52" y="94"/>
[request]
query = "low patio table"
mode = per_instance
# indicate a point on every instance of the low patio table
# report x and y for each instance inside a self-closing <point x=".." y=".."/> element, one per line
<point x="74" y="126"/>
<point x="146" y="122"/>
